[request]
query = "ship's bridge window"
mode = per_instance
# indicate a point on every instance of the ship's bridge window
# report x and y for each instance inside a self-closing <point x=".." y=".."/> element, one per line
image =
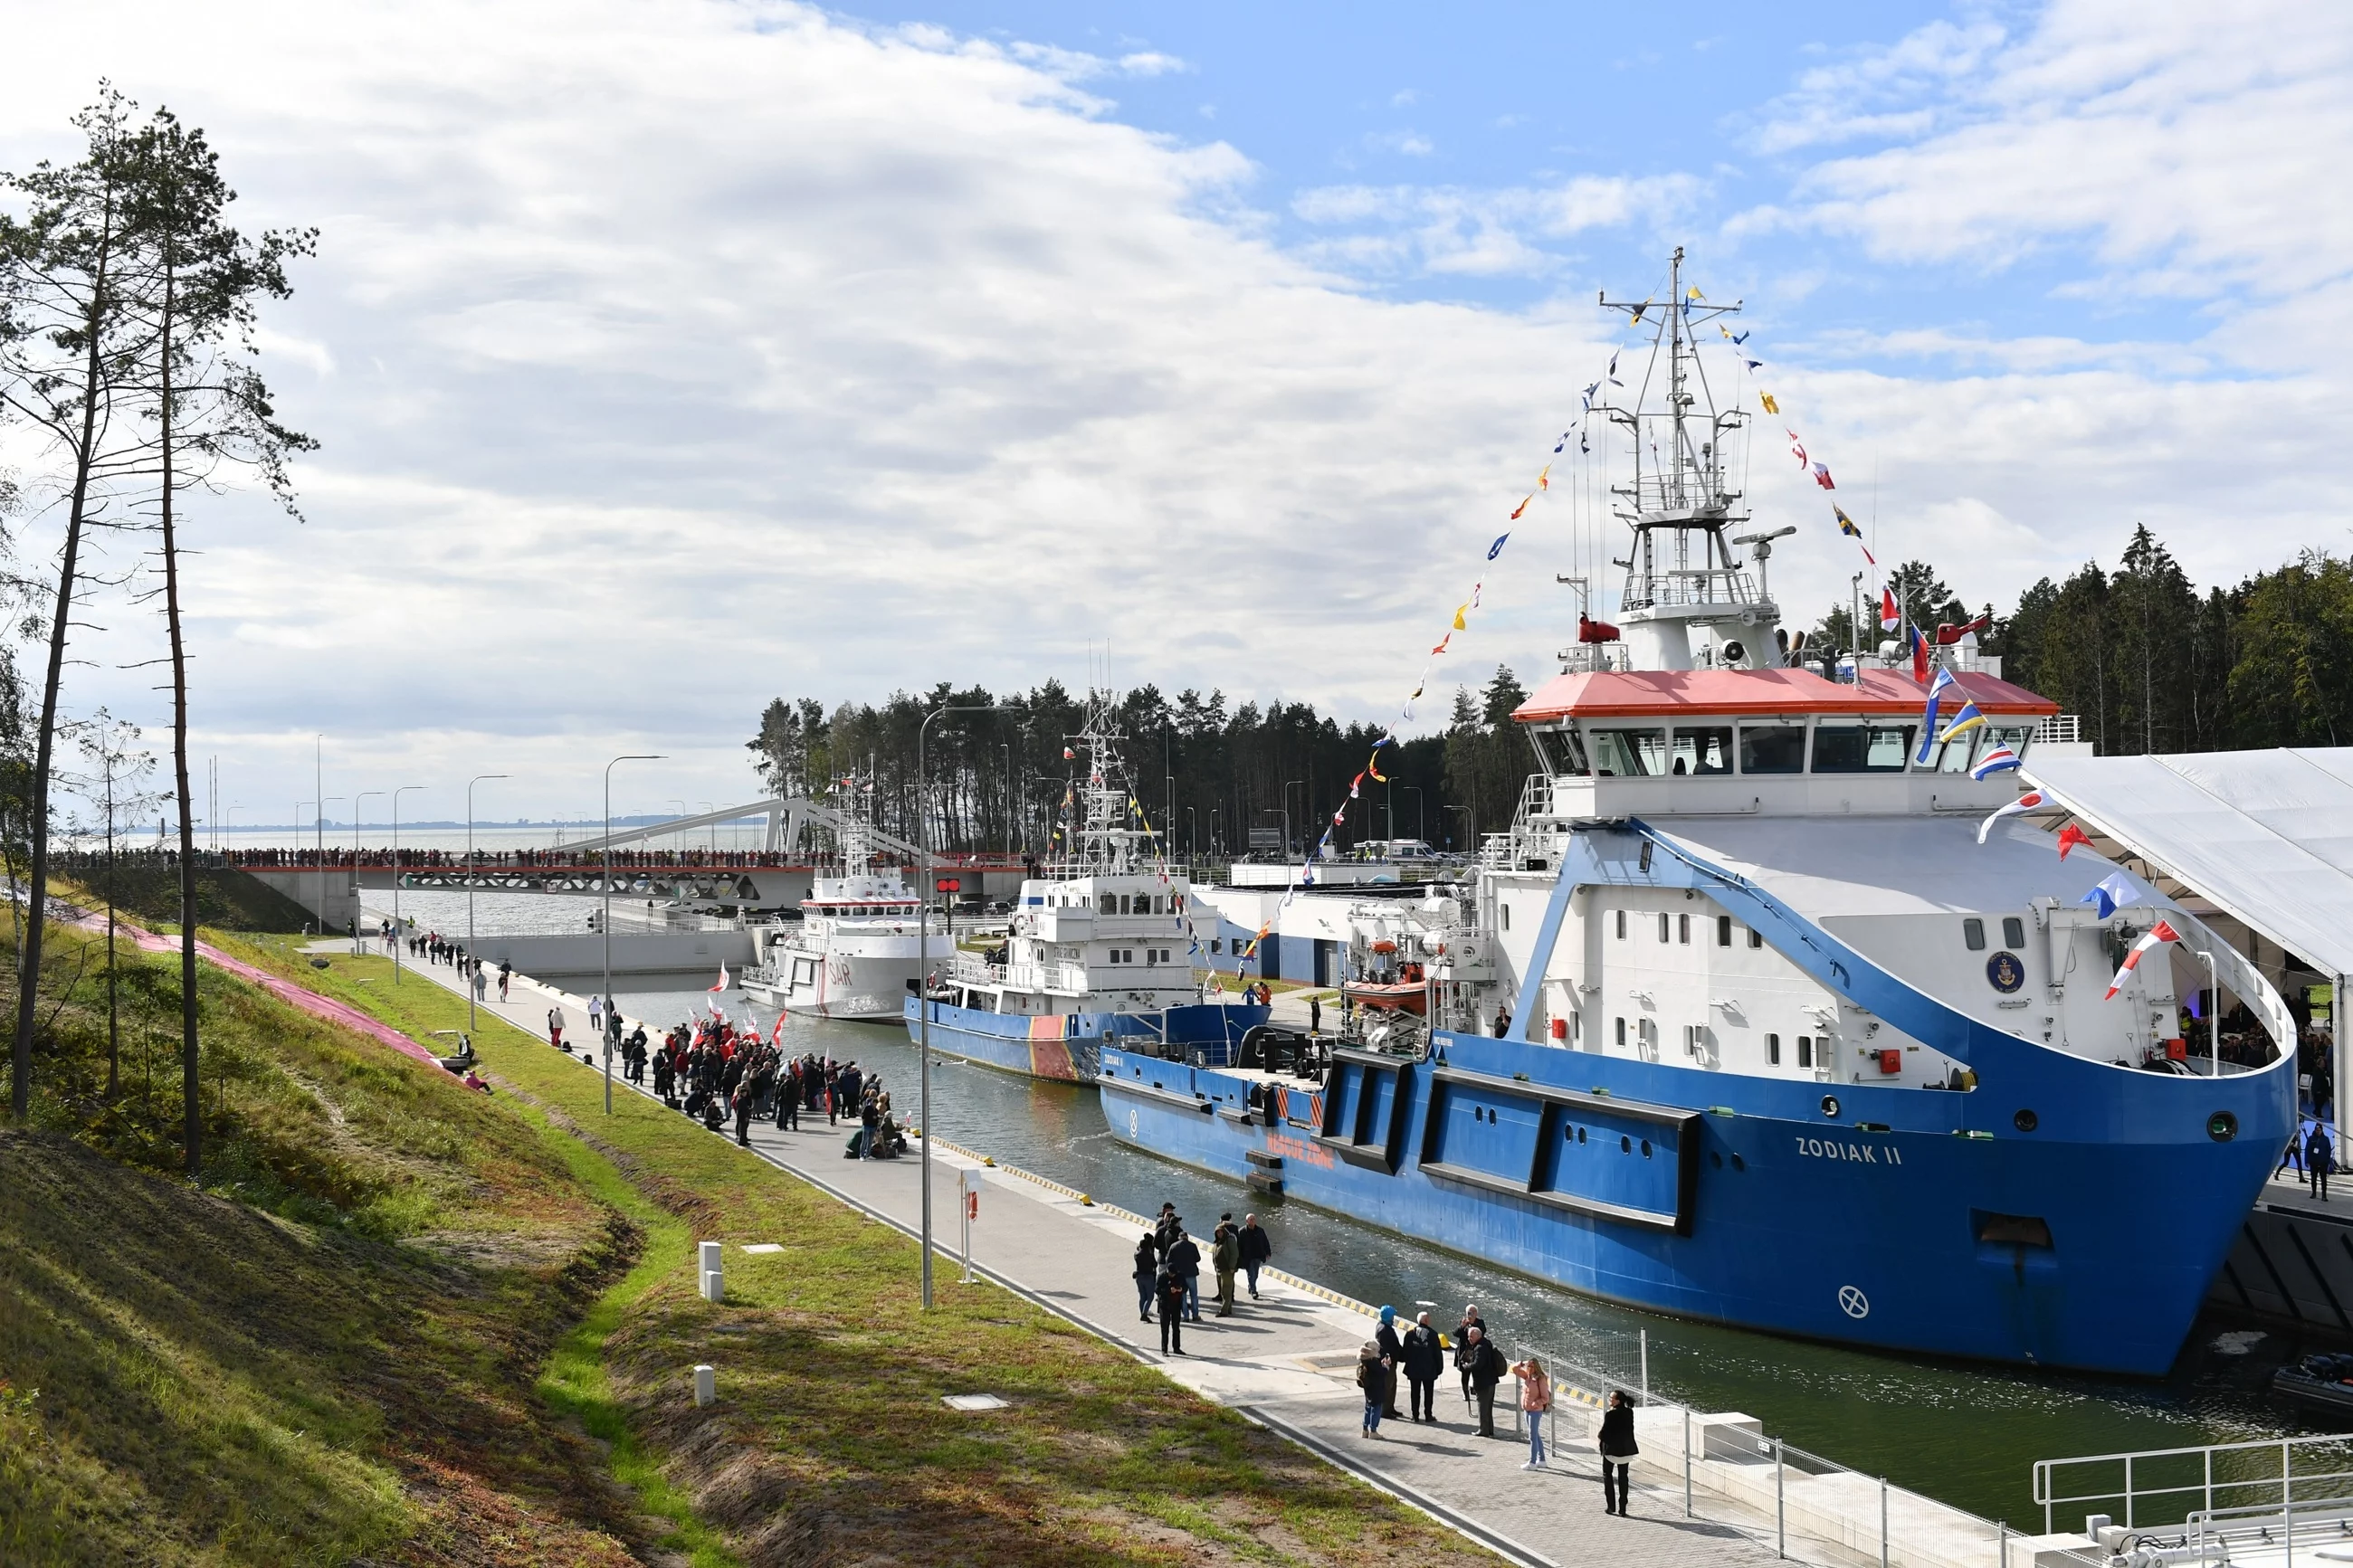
<point x="1778" y="747"/>
<point x="2013" y="931"/>
<point x="1842" y="747"/>
<point x="1703" y="750"/>
<point x="1973" y="934"/>
<point x="1559" y="751"/>
<point x="1629" y="753"/>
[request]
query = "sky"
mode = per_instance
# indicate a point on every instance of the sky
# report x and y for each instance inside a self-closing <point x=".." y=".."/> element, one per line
<point x="669" y="356"/>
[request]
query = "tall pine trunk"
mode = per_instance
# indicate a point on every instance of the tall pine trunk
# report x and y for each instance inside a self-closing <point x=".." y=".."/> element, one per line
<point x="36" y="893"/>
<point x="189" y="1055"/>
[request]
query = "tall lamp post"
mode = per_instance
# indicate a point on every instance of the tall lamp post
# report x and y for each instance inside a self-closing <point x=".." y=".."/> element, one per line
<point x="319" y="828"/>
<point x="470" y="782"/>
<point x="606" y="919"/>
<point x="355" y="865"/>
<point x="924" y="963"/>
<point x="399" y="931"/>
<point x="1470" y="826"/>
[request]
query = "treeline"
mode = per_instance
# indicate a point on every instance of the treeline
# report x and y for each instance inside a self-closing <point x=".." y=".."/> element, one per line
<point x="1205" y="773"/>
<point x="2150" y="662"/>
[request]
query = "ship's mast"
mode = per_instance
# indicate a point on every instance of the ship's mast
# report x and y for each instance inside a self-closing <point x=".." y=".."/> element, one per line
<point x="1681" y="615"/>
<point x="1106" y="840"/>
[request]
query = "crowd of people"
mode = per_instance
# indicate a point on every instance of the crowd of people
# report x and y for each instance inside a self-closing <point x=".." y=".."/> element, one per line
<point x="1169" y="1267"/>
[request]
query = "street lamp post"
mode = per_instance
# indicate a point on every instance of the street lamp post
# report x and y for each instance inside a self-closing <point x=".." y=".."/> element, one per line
<point x="1470" y="826"/>
<point x="355" y="865"/>
<point x="924" y="963"/>
<point x="319" y="829"/>
<point x="478" y="778"/>
<point x="606" y="919"/>
<point x="399" y="931"/>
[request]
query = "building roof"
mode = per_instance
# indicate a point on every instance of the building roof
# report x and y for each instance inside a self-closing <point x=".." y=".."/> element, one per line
<point x="2266" y="835"/>
<point x="1618" y="693"/>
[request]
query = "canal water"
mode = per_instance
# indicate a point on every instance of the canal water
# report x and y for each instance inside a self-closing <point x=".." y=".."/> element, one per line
<point x="1962" y="1432"/>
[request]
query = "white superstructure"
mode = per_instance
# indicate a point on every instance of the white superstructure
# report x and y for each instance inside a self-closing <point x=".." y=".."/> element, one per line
<point x="855" y="951"/>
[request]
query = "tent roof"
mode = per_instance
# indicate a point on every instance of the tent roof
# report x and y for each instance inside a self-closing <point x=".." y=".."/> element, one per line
<point x="2267" y="836"/>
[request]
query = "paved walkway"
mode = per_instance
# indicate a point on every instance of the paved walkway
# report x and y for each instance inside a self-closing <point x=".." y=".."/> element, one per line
<point x="1287" y="1359"/>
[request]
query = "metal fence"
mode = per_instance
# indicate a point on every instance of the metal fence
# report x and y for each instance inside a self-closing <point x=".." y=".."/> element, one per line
<point x="1806" y="1507"/>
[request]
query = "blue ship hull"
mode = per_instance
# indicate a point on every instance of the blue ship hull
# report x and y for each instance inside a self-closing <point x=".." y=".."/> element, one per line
<point x="2062" y="1213"/>
<point x="1068" y="1046"/>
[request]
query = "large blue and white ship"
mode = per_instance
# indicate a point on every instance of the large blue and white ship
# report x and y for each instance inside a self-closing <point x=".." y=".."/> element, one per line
<point x="1098" y="951"/>
<point x="1784" y="1046"/>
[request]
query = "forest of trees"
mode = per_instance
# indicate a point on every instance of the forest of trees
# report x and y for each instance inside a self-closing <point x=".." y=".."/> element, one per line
<point x="1204" y="772"/>
<point x="2146" y="660"/>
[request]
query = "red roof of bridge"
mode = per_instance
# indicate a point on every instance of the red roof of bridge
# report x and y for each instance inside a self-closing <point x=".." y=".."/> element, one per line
<point x="1614" y="694"/>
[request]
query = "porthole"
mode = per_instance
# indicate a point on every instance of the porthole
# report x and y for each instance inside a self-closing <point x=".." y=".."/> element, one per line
<point x="1646" y="1148"/>
<point x="1739" y="1164"/>
<point x="2026" y="1122"/>
<point x="1625" y="1144"/>
<point x="1830" y="1105"/>
<point x="2222" y="1126"/>
<point x="1716" y="1159"/>
<point x="1581" y="1134"/>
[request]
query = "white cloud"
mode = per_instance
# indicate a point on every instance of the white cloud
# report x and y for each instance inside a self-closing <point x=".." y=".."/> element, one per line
<point x="672" y="357"/>
<point x="2195" y="152"/>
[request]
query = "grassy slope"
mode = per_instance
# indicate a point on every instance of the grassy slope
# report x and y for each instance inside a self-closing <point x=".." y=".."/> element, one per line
<point x="829" y="1442"/>
<point x="340" y="1366"/>
<point x="227" y="897"/>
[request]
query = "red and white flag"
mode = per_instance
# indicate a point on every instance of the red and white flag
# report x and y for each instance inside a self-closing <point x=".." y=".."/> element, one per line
<point x="724" y="983"/>
<point x="2033" y="800"/>
<point x="1889" y="617"/>
<point x="2158" y="935"/>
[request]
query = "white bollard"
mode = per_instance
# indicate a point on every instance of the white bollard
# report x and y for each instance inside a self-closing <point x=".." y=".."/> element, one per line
<point x="714" y="1284"/>
<point x="706" y="1385"/>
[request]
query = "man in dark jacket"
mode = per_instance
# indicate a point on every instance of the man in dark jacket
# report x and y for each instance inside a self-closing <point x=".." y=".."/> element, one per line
<point x="1255" y="1250"/>
<point x="1486" y="1366"/>
<point x="1182" y="1259"/>
<point x="1424" y="1359"/>
<point x="1616" y="1444"/>
<point x="1392" y="1345"/>
<point x="1226" y="1256"/>
<point x="1170" y="1290"/>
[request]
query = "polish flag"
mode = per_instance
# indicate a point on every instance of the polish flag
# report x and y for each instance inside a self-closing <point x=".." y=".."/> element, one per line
<point x="724" y="983"/>
<point x="2033" y="800"/>
<point x="1889" y="617"/>
<point x="2158" y="933"/>
<point x="2069" y="836"/>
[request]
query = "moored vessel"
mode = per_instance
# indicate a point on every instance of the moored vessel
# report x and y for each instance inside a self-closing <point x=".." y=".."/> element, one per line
<point x="856" y="949"/>
<point x="1755" y="1015"/>
<point x="1099" y="950"/>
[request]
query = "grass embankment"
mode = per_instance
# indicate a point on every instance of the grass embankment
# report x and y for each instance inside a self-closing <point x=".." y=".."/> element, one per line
<point x="328" y="1355"/>
<point x="147" y="890"/>
<point x="829" y="1442"/>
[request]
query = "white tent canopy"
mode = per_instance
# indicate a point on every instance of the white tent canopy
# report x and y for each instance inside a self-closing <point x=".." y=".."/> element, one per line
<point x="2267" y="837"/>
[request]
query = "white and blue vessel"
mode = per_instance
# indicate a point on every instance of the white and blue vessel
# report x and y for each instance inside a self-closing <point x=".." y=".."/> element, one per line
<point x="1098" y="951"/>
<point x="1786" y="1048"/>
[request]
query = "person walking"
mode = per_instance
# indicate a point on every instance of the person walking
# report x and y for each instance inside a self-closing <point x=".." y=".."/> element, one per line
<point x="1147" y="1271"/>
<point x="597" y="1016"/>
<point x="2319" y="1159"/>
<point x="556" y="1027"/>
<point x="480" y="983"/>
<point x="1616" y="1442"/>
<point x="1487" y="1369"/>
<point x="1168" y="1290"/>
<point x="1393" y="1351"/>
<point x="1226" y="1256"/>
<point x="1183" y="1260"/>
<point x="1257" y="1248"/>
<point x="1424" y="1359"/>
<point x="1377" y="1377"/>
<point x="1471" y="1319"/>
<point x="1536" y="1402"/>
<point x="506" y="974"/>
